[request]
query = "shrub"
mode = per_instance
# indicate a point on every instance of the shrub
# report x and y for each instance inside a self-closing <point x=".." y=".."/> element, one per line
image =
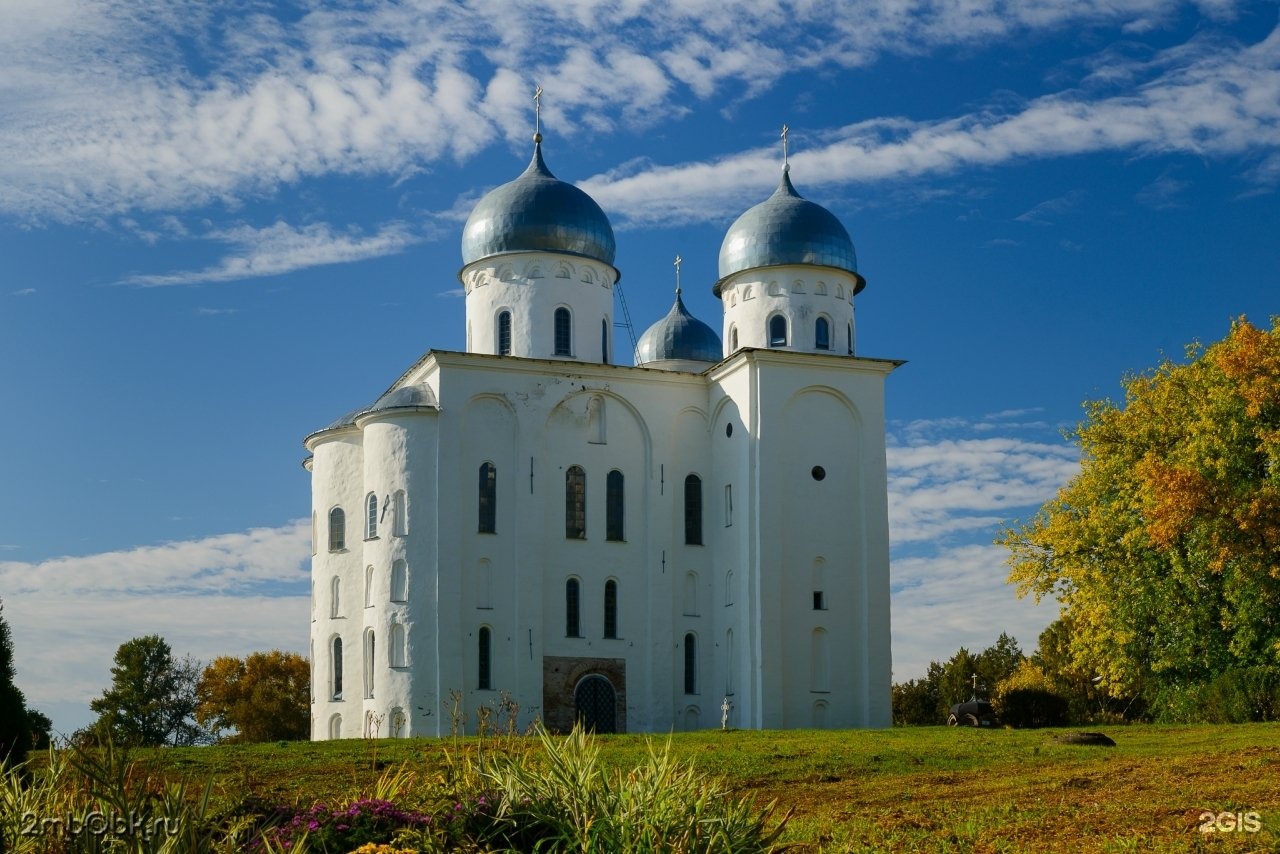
<point x="1243" y="695"/>
<point x="1028" y="698"/>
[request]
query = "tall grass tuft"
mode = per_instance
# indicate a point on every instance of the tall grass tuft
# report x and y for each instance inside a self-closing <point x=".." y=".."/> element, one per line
<point x="570" y="803"/>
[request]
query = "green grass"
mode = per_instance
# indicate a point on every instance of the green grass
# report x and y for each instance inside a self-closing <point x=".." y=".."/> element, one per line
<point x="916" y="789"/>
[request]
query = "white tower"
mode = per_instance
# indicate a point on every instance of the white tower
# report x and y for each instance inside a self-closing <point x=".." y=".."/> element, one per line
<point x="538" y="270"/>
<point x="788" y="274"/>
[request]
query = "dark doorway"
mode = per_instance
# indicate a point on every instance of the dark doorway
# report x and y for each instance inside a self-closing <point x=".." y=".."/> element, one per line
<point x="595" y="704"/>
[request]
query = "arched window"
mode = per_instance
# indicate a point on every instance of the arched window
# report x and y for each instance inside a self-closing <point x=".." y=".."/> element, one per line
<point x="484" y="670"/>
<point x="369" y="662"/>
<point x="850" y="331"/>
<point x="690" y="664"/>
<point x="575" y="503"/>
<point x="733" y="338"/>
<point x="337" y="530"/>
<point x="614" y="506"/>
<point x="572" y="624"/>
<point x="335" y="727"/>
<point x="335" y="669"/>
<point x="504" y="333"/>
<point x="604" y="340"/>
<point x="368" y="586"/>
<point x="611" y="609"/>
<point x="488" y="508"/>
<point x="693" y="510"/>
<point x="777" y="331"/>
<point x="399" y="581"/>
<point x="370" y="516"/>
<point x="399" y="645"/>
<point x="402" y="514"/>
<point x="335" y="597"/>
<point x="563" y="332"/>
<point x="822" y="334"/>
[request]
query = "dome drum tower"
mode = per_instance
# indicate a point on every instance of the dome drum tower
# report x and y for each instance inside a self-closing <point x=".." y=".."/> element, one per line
<point x="788" y="275"/>
<point x="538" y="270"/>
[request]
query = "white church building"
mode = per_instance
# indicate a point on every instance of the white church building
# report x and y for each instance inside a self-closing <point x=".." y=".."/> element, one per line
<point x="643" y="548"/>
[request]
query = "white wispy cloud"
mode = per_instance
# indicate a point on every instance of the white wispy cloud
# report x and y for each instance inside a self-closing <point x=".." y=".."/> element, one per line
<point x="107" y="108"/>
<point x="222" y="595"/>
<point x="953" y="484"/>
<point x="282" y="248"/>
<point x="1209" y="98"/>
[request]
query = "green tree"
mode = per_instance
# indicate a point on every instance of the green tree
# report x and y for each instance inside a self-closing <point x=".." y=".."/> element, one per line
<point x="265" y="696"/>
<point x="152" y="698"/>
<point x="1164" y="551"/>
<point x="926" y="701"/>
<point x="15" y="724"/>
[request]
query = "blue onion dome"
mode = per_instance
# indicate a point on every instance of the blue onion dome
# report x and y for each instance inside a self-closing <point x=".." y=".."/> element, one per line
<point x="537" y="212"/>
<point x="679" y="335"/>
<point x="787" y="229"/>
<point x="415" y="396"/>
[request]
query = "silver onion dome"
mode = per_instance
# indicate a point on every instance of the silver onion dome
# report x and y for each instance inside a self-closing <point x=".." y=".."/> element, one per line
<point x="537" y="212"/>
<point x="786" y="229"/>
<point x="680" y="336"/>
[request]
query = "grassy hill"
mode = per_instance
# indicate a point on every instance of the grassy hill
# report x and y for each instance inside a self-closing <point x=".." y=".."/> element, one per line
<point x="915" y="789"/>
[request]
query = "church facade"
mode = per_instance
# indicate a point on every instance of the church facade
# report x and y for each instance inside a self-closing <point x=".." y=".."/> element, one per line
<point x="696" y="539"/>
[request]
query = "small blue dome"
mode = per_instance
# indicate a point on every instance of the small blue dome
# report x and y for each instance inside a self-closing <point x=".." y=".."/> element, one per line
<point x="786" y="229"/>
<point x="679" y="335"/>
<point x="407" y="397"/>
<point x="537" y="212"/>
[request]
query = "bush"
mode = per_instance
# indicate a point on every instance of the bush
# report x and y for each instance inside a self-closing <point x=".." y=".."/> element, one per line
<point x="1243" y="695"/>
<point x="1033" y="707"/>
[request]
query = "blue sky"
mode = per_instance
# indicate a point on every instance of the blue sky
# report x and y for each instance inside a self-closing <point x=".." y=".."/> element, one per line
<point x="223" y="224"/>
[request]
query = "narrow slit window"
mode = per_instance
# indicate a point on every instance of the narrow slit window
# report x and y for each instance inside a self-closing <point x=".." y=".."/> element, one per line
<point x="484" y="675"/>
<point x="822" y="334"/>
<point x="615" y="506"/>
<point x="690" y="664"/>
<point x="777" y="331"/>
<point x="572" y="624"/>
<point x="575" y="503"/>
<point x="563" y="332"/>
<point x="371" y="516"/>
<point x="693" y="510"/>
<point x="504" y="333"/>
<point x="488" y="501"/>
<point x="336" y="673"/>
<point x="337" y="530"/>
<point x="611" y="609"/>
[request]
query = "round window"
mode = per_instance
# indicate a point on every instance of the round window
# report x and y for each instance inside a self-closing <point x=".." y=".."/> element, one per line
<point x="818" y="472"/>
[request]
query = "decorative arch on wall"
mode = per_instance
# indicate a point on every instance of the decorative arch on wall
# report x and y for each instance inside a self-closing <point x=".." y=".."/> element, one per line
<point x="398" y="646"/>
<point x="399" y="581"/>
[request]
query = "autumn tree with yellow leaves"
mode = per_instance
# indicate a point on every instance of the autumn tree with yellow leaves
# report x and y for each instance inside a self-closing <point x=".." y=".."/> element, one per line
<point x="1164" y="551"/>
<point x="266" y="696"/>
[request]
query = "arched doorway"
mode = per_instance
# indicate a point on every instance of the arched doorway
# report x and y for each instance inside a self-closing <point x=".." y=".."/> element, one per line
<point x="595" y="704"/>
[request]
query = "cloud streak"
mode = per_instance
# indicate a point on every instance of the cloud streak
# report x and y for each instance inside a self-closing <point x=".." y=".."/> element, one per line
<point x="282" y="248"/>
<point x="111" y="108"/>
